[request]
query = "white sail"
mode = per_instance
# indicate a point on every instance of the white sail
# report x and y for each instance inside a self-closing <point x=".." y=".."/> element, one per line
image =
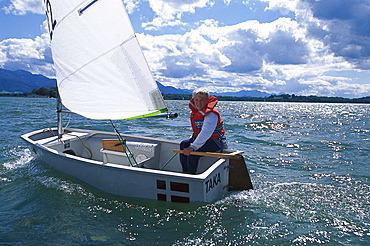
<point x="100" y="68"/>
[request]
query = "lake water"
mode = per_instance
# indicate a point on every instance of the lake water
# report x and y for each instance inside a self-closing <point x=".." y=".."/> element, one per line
<point x="309" y="164"/>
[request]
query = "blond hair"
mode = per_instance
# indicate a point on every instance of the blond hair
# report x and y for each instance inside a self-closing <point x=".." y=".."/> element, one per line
<point x="201" y="91"/>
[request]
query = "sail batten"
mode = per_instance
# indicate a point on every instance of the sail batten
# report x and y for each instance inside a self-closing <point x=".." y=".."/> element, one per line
<point x="100" y="68"/>
<point x="83" y="9"/>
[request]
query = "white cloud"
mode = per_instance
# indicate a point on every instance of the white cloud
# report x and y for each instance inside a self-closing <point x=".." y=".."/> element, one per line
<point x="330" y="86"/>
<point x="169" y="12"/>
<point x="284" y="6"/>
<point x="274" y="57"/>
<point x="131" y="5"/>
<point x="22" y="7"/>
<point x="28" y="54"/>
<point x="290" y="55"/>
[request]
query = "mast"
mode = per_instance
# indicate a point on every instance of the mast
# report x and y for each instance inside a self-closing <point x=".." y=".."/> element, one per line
<point x="59" y="113"/>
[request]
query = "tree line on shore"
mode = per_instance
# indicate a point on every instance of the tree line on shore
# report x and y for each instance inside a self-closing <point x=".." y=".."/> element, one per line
<point x="53" y="93"/>
<point x="278" y="98"/>
<point x="38" y="92"/>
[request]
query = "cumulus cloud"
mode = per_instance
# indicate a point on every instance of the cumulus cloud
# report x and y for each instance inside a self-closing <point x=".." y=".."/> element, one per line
<point x="291" y="54"/>
<point x="283" y="6"/>
<point x="131" y="5"/>
<point x="245" y="55"/>
<point x="22" y="7"/>
<point x="182" y="56"/>
<point x="285" y="55"/>
<point x="169" y="12"/>
<point x="339" y="24"/>
<point x="32" y="55"/>
<point x="342" y="26"/>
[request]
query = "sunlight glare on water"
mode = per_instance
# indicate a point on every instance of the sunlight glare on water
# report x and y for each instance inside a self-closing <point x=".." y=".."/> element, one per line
<point x="308" y="164"/>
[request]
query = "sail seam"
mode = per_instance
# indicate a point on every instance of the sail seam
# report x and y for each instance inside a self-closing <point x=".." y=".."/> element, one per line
<point x="92" y="60"/>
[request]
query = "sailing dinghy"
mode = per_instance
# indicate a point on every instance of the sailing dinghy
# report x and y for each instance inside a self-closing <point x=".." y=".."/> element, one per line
<point x="102" y="74"/>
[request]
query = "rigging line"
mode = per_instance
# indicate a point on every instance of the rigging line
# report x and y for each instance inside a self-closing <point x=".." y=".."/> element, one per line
<point x="125" y="147"/>
<point x="69" y="121"/>
<point x="49" y="130"/>
<point x="168" y="161"/>
<point x="81" y="142"/>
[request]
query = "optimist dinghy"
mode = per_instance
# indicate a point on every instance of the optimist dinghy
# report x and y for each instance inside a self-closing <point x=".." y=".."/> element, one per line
<point x="102" y="74"/>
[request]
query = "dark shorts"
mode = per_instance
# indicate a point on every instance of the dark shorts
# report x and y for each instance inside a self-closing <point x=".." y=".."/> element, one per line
<point x="190" y="163"/>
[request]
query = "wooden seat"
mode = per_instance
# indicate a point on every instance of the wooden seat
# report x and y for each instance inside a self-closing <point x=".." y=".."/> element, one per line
<point x="131" y="153"/>
<point x="114" y="144"/>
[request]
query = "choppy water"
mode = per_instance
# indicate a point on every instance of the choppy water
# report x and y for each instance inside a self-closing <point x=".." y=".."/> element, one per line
<point x="309" y="164"/>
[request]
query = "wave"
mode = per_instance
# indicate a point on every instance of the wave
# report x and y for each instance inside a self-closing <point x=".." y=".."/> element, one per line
<point x="266" y="125"/>
<point x="344" y="207"/>
<point x="19" y="157"/>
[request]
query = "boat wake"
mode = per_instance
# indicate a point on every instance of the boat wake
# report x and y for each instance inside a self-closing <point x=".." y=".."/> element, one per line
<point x="63" y="185"/>
<point x="20" y="163"/>
<point x="320" y="205"/>
<point x="18" y="158"/>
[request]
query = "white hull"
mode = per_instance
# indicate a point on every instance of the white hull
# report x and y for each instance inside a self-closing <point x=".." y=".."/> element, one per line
<point x="110" y="171"/>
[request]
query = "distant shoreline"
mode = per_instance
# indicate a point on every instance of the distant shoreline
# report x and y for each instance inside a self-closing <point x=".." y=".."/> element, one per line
<point x="272" y="98"/>
<point x="278" y="98"/>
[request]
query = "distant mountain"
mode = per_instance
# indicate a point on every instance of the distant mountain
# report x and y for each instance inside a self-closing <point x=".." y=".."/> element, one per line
<point x="173" y="90"/>
<point x="23" y="81"/>
<point x="244" y="93"/>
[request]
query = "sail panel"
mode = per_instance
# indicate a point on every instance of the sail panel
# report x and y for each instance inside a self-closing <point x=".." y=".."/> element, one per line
<point x="100" y="68"/>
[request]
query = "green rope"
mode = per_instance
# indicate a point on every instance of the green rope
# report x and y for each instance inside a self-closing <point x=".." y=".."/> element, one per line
<point x="168" y="161"/>
<point x="124" y="146"/>
<point x="129" y="154"/>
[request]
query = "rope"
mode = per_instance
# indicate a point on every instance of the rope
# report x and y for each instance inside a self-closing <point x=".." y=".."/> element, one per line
<point x="124" y="146"/>
<point x="168" y="161"/>
<point x="81" y="142"/>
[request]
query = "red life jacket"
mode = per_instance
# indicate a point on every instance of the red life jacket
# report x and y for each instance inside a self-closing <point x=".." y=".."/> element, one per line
<point x="197" y="117"/>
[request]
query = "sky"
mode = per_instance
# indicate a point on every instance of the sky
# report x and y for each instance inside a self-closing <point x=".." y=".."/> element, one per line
<point x="301" y="47"/>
